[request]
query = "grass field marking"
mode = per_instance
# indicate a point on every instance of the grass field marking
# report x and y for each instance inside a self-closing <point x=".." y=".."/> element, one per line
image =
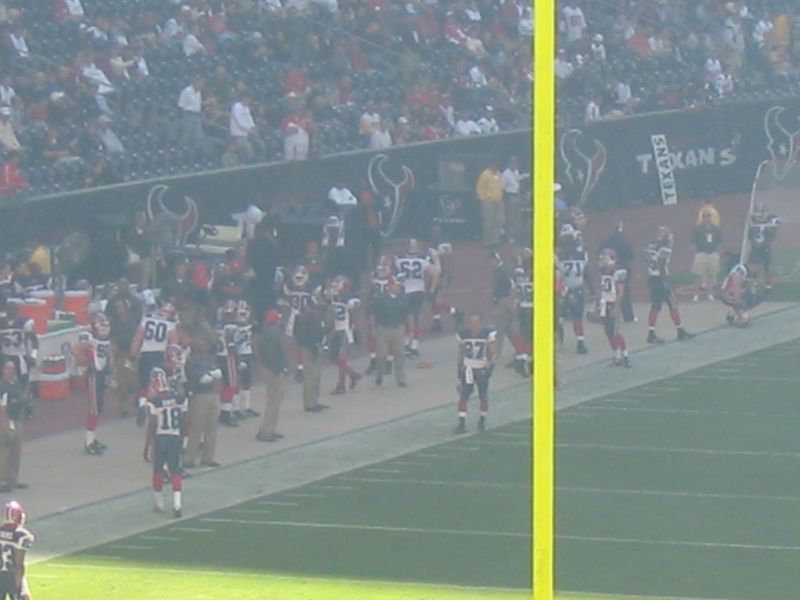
<point x="475" y="484"/>
<point x="686" y="543"/>
<point x="508" y="435"/>
<point x="570" y="595"/>
<point x="681" y="450"/>
<point x="387" y="471"/>
<point x="129" y="547"/>
<point x="159" y="538"/>
<point x="743" y="378"/>
<point x="270" y="576"/>
<point x="302" y="495"/>
<point x="695" y="412"/>
<point x="458" y="448"/>
<point x="385" y="528"/>
<point x="249" y="511"/>
<point x="192" y="529"/>
<point x="620" y="492"/>
<point x="275" y="503"/>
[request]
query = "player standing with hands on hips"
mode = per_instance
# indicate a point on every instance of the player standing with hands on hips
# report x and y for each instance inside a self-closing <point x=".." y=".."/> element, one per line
<point x="477" y="353"/>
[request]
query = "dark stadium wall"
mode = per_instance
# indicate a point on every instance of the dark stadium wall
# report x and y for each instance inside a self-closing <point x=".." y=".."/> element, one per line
<point x="614" y="164"/>
<point x="415" y="184"/>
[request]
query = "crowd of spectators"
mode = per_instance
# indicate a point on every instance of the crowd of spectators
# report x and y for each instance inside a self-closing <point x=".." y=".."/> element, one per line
<point x="95" y="92"/>
<point x="620" y="57"/>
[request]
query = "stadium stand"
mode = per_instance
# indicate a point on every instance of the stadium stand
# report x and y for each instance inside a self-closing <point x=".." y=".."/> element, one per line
<point x="90" y="89"/>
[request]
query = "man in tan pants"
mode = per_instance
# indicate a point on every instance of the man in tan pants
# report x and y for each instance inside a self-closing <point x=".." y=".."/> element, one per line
<point x="12" y="409"/>
<point x="202" y="383"/>
<point x="274" y="362"/>
<point x="309" y="332"/>
<point x="389" y="312"/>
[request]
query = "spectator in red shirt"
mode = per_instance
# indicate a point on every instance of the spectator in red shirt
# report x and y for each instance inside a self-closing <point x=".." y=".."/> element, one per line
<point x="11" y="178"/>
<point x="296" y="80"/>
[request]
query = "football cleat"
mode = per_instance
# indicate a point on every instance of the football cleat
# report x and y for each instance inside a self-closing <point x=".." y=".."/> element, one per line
<point x="92" y="450"/>
<point x="371" y="368"/>
<point x="238" y="415"/>
<point x="252" y="413"/>
<point x="626" y="362"/>
<point x="226" y="418"/>
<point x="582" y="349"/>
<point x="684" y="335"/>
<point x="482" y="424"/>
<point x="379" y="380"/>
<point x="338" y="391"/>
<point x="354" y="379"/>
<point x="177" y="513"/>
<point x="298" y="375"/>
<point x="100" y="445"/>
<point x="460" y="428"/>
<point x="387" y="370"/>
<point x="652" y="338"/>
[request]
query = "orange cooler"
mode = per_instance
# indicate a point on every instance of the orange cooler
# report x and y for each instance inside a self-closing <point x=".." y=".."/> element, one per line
<point x="77" y="303"/>
<point x="53" y="383"/>
<point x="34" y="309"/>
<point x="49" y="297"/>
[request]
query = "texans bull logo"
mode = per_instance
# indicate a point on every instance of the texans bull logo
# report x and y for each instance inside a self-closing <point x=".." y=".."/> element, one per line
<point x="187" y="220"/>
<point x="782" y="127"/>
<point x="584" y="160"/>
<point x="391" y="188"/>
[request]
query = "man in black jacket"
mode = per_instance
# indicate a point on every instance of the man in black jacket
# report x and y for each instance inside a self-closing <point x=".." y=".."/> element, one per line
<point x="12" y="412"/>
<point x="310" y="333"/>
<point x="202" y="381"/>
<point x="274" y="362"/>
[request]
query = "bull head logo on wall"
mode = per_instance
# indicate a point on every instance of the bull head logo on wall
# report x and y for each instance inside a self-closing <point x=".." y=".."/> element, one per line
<point x="186" y="221"/>
<point x="391" y="192"/>
<point x="584" y="161"/>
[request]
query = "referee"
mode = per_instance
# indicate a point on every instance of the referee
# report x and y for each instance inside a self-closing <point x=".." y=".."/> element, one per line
<point x="389" y="313"/>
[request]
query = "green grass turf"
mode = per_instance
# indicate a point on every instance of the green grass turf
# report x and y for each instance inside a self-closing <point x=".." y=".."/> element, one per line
<point x="685" y="487"/>
<point x="457" y="514"/>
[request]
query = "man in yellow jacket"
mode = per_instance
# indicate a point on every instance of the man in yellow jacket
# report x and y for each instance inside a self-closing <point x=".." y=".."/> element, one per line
<point x="489" y="190"/>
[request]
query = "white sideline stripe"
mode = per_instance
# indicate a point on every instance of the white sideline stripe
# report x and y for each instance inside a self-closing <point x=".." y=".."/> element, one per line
<point x="410" y="463"/>
<point x="691" y="411"/>
<point x="192" y="529"/>
<point x="475" y="484"/>
<point x="612" y="540"/>
<point x="228" y="574"/>
<point x="249" y="511"/>
<point x="681" y="450"/>
<point x="332" y="487"/>
<point x="129" y="547"/>
<point x="97" y="557"/>
<point x="375" y="528"/>
<point x="600" y="596"/>
<point x="458" y="448"/>
<point x="510" y="435"/>
<point x="275" y="503"/>
<point x="388" y="471"/>
<point x="745" y="378"/>
<point x="302" y="495"/>
<point x="427" y="455"/>
<point x="617" y="492"/>
<point x="159" y="538"/>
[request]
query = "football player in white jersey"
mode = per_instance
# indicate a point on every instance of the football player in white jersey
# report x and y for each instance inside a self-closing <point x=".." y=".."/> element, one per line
<point x="613" y="280"/>
<point x="410" y="267"/>
<point x="573" y="265"/>
<point x="739" y="290"/>
<point x="477" y="354"/>
<point x="154" y="334"/>
<point x="20" y="344"/>
<point x="437" y="279"/>
<point x="341" y="303"/>
<point x="227" y="360"/>
<point x="659" y="254"/>
<point x="92" y="351"/>
<point x="244" y="354"/>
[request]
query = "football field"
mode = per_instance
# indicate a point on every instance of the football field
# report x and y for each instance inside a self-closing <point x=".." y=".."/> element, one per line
<point x="450" y="521"/>
<point x="687" y="487"/>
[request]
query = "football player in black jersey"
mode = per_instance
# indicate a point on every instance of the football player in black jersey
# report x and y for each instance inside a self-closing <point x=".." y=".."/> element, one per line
<point x="477" y="353"/>
<point x="20" y="343"/>
<point x="166" y="430"/>
<point x="15" y="541"/>
<point x="762" y="228"/>
<point x="659" y="254"/>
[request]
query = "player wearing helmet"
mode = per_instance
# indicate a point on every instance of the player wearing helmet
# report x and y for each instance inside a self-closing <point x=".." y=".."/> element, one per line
<point x="573" y="274"/>
<point x="165" y="432"/>
<point x="227" y="361"/>
<point x="379" y="284"/>
<point x="174" y="361"/>
<point x="410" y="267"/>
<point x="20" y="343"/>
<point x="244" y="354"/>
<point x="15" y="541"/>
<point x="154" y="334"/>
<point x="437" y="279"/>
<point x="521" y="341"/>
<point x="739" y="290"/>
<point x="661" y="292"/>
<point x="477" y="354"/>
<point x="762" y="228"/>
<point x="298" y="296"/>
<point x="613" y="279"/>
<point x="341" y="304"/>
<point x="92" y="352"/>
